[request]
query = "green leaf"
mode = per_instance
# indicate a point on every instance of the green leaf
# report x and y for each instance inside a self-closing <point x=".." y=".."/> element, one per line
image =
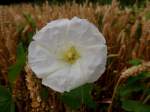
<point x="146" y="74"/>
<point x="87" y="97"/>
<point x="4" y="94"/>
<point x="78" y="96"/>
<point x="6" y="102"/>
<point x="30" y="35"/>
<point x="44" y="93"/>
<point x="20" y="28"/>
<point x="134" y="79"/>
<point x="12" y="106"/>
<point x="147" y="91"/>
<point x="127" y="90"/>
<point x="133" y="84"/>
<point x="15" y="69"/>
<point x="30" y="20"/>
<point x="135" y="62"/>
<point x="72" y="101"/>
<point x="135" y="106"/>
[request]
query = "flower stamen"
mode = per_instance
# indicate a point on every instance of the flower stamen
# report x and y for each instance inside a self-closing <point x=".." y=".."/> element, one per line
<point x="71" y="55"/>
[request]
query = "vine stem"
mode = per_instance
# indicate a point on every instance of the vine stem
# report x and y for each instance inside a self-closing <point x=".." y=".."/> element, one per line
<point x="113" y="96"/>
<point x="146" y="99"/>
<point x="82" y="110"/>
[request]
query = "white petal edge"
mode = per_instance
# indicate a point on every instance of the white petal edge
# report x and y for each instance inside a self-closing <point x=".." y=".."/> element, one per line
<point x="41" y="61"/>
<point x="57" y="80"/>
<point x="83" y="32"/>
<point x="56" y="24"/>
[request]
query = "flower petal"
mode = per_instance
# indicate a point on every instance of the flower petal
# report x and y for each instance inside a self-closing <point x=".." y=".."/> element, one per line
<point x="53" y="35"/>
<point x="57" y="80"/>
<point x="41" y="60"/>
<point x="93" y="61"/>
<point x="75" y="77"/>
<point x="53" y="40"/>
<point x="65" y="79"/>
<point x="82" y="32"/>
<point x="52" y="26"/>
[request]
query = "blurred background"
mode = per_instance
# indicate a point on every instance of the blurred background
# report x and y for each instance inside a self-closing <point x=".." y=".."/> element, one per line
<point x="102" y="2"/>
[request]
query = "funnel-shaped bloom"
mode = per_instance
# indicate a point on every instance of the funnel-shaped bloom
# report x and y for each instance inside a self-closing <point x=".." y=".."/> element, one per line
<point x="66" y="54"/>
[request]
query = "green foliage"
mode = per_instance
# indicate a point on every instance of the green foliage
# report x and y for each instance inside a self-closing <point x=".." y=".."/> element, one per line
<point x="30" y="20"/>
<point x="15" y="69"/>
<point x="27" y="36"/>
<point x="135" y="62"/>
<point x="6" y="102"/>
<point x="82" y="95"/>
<point x="30" y="35"/>
<point x="44" y="93"/>
<point x="133" y="89"/>
<point x="135" y="106"/>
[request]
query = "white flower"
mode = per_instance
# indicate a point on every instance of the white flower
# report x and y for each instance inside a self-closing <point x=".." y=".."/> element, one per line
<point x="66" y="54"/>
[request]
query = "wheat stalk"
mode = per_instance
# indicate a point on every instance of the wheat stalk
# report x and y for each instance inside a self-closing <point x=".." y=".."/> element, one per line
<point x="132" y="71"/>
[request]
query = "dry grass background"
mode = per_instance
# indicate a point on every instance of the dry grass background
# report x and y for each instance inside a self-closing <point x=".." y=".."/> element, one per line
<point x="127" y="33"/>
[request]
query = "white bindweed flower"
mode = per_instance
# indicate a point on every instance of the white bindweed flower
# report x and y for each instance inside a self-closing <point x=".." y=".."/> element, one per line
<point x="66" y="54"/>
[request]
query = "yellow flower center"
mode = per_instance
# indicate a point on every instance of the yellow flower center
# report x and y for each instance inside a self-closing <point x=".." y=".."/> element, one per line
<point x="71" y="55"/>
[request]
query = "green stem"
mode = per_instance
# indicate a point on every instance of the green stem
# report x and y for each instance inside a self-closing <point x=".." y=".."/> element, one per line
<point x="146" y="99"/>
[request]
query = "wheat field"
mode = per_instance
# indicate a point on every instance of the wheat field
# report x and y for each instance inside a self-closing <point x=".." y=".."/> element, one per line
<point x="127" y="33"/>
